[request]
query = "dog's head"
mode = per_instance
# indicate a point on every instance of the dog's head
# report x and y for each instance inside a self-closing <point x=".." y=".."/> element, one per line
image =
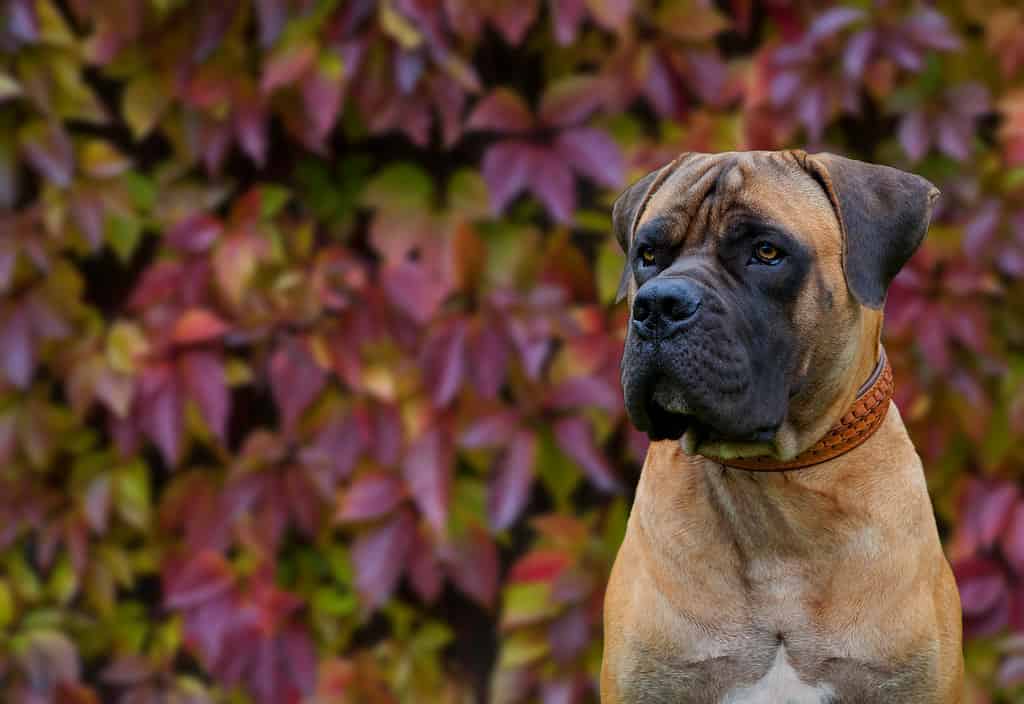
<point x="755" y="282"/>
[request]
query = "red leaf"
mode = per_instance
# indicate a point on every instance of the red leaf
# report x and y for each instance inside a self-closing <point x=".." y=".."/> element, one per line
<point x="428" y="474"/>
<point x="287" y="66"/>
<point x="502" y="111"/>
<point x="1013" y="539"/>
<point x="198" y="325"/>
<point x="576" y="438"/>
<point x="472" y="563"/>
<point x="17" y="350"/>
<point x="205" y="576"/>
<point x="593" y="154"/>
<point x="540" y="566"/>
<point x="251" y="126"/>
<point x="371" y="496"/>
<point x="295" y="379"/>
<point x="322" y="95"/>
<point x="379" y="555"/>
<point x="513" y="477"/>
<point x="195" y="234"/>
<point x="611" y="14"/>
<point x="513" y="18"/>
<point x="206" y="383"/>
<point x="424" y="570"/>
<point x="506" y="169"/>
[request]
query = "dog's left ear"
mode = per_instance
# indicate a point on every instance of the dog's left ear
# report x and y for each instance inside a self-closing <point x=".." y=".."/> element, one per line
<point x="624" y="213"/>
<point x="883" y="213"/>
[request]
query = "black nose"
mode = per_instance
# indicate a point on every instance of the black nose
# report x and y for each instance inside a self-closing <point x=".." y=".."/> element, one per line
<point x="664" y="306"/>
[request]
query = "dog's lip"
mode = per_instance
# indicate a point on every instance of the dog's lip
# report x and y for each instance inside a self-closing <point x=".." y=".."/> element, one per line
<point x="689" y="426"/>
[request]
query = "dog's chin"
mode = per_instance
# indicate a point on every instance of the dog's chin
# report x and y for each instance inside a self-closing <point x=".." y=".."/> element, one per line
<point x="671" y="417"/>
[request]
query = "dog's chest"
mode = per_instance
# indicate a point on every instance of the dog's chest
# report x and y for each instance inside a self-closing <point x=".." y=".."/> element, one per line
<point x="781" y="685"/>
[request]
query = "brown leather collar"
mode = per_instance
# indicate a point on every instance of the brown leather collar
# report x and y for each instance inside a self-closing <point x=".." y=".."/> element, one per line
<point x="857" y="425"/>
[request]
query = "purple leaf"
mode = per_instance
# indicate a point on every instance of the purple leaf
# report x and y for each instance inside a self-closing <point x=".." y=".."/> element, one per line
<point x="506" y="169"/>
<point x="17" y="349"/>
<point x="501" y="111"/>
<point x="594" y="154"/>
<point x="295" y="380"/>
<point x="414" y="289"/>
<point x="195" y="234"/>
<point x="552" y="183"/>
<point x="371" y="496"/>
<point x="251" y="127"/>
<point x="566" y="15"/>
<point x="489" y="353"/>
<point x="272" y="15"/>
<point x="206" y="383"/>
<point x="576" y="439"/>
<point x="915" y="137"/>
<point x="513" y="477"/>
<point x="858" y="52"/>
<point x="214" y="21"/>
<point x="202" y="578"/>
<point x="444" y="363"/>
<point x="569" y="634"/>
<point x="22" y="22"/>
<point x="832" y="21"/>
<point x="582" y="391"/>
<point x="954" y="136"/>
<point x="428" y="473"/>
<point x="490" y="430"/>
<point x="97" y="503"/>
<point x="930" y="27"/>
<point x="48" y="148"/>
<point x="379" y="555"/>
<point x="409" y="66"/>
<point x="784" y="87"/>
<point x="160" y="412"/>
<point x="570" y="100"/>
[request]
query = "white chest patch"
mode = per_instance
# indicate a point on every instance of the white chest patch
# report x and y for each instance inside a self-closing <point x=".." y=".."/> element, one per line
<point x="780" y="685"/>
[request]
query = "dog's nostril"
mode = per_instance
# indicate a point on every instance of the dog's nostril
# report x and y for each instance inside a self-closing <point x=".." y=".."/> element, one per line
<point x="641" y="310"/>
<point x="681" y="308"/>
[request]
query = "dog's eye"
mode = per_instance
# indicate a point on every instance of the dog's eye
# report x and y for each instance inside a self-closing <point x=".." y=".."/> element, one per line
<point x="647" y="255"/>
<point x="766" y="253"/>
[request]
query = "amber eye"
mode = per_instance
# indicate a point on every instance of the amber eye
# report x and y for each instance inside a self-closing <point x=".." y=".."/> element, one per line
<point x="767" y="253"/>
<point x="647" y="255"/>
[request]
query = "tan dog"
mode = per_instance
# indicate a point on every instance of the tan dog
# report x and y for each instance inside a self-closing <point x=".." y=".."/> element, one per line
<point x="815" y="573"/>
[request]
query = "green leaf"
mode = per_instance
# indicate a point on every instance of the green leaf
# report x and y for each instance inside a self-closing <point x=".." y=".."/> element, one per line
<point x="132" y="494"/>
<point x="526" y="603"/>
<point x="558" y="473"/>
<point x="124" y="234"/>
<point x="6" y="604"/>
<point x="400" y="187"/>
<point x="144" y="100"/>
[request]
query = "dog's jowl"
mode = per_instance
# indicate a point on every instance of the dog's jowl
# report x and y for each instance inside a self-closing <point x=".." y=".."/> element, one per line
<point x="782" y="545"/>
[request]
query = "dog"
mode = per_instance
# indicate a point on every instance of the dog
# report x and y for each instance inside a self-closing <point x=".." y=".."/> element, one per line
<point x="782" y="547"/>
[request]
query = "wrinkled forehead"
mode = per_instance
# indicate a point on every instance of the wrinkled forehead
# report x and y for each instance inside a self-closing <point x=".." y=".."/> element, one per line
<point x="705" y="190"/>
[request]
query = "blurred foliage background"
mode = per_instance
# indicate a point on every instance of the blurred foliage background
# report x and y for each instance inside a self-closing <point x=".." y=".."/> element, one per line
<point x="308" y="356"/>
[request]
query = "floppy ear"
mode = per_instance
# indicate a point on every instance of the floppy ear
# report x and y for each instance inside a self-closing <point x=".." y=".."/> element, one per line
<point x="883" y="214"/>
<point x="624" y="214"/>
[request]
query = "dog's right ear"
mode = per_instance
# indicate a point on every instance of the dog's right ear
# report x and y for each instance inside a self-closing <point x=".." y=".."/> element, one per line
<point x="624" y="214"/>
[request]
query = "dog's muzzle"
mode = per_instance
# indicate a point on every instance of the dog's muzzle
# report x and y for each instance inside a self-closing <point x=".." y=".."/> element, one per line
<point x="664" y="307"/>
